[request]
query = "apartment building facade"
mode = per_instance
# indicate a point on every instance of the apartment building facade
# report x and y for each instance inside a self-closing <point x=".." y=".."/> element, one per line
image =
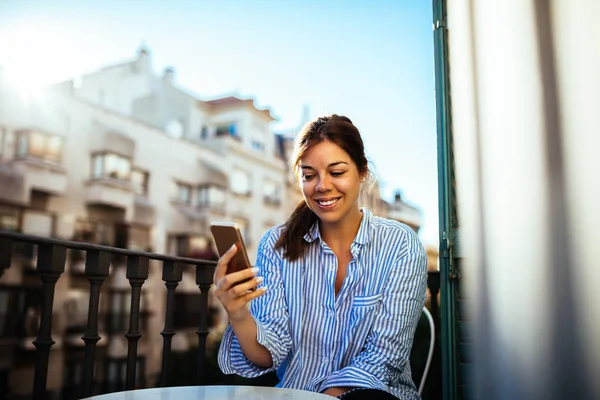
<point x="127" y="159"/>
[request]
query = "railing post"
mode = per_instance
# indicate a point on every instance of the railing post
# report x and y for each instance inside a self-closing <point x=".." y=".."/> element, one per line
<point x="6" y="248"/>
<point x="137" y="273"/>
<point x="50" y="264"/>
<point x="172" y="274"/>
<point x="97" y="264"/>
<point x="204" y="278"/>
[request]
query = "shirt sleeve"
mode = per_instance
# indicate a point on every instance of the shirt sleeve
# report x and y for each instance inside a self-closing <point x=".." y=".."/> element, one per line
<point x="270" y="312"/>
<point x="384" y="361"/>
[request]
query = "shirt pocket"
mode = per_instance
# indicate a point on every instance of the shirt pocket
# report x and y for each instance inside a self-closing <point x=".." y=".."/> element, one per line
<point x="364" y="310"/>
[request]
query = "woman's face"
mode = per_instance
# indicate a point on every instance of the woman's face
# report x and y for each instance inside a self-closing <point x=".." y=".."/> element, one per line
<point x="330" y="182"/>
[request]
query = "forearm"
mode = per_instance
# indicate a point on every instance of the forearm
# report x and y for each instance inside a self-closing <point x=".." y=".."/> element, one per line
<point x="246" y="333"/>
<point x="336" y="391"/>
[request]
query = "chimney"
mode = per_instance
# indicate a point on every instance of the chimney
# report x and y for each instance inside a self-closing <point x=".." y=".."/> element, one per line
<point x="143" y="62"/>
<point x="398" y="197"/>
<point x="169" y="74"/>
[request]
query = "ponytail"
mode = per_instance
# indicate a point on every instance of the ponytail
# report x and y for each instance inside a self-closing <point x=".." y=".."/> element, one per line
<point x="298" y="224"/>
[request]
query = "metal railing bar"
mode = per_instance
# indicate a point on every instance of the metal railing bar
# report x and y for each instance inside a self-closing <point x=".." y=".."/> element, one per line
<point x="21" y="237"/>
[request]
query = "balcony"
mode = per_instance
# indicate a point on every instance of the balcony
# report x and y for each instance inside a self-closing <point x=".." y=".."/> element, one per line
<point x="42" y="175"/>
<point x="212" y="175"/>
<point x="38" y="160"/>
<point x="108" y="140"/>
<point x="111" y="192"/>
<point x="187" y="220"/>
<point x="88" y="365"/>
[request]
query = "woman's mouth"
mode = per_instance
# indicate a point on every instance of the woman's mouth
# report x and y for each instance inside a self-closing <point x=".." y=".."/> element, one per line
<point x="327" y="203"/>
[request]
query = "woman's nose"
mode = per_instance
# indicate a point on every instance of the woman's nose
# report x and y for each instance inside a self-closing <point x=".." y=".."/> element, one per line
<point x="323" y="185"/>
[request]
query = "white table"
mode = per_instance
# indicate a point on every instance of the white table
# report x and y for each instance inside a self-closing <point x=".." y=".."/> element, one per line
<point x="214" y="393"/>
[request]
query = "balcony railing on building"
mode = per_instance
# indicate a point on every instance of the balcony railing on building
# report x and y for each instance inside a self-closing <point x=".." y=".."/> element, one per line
<point x="28" y="318"/>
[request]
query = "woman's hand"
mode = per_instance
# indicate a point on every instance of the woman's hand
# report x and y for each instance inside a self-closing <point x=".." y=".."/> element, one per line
<point x="234" y="295"/>
<point x="336" y="391"/>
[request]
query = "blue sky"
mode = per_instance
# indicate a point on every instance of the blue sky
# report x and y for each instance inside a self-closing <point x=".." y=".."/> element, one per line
<point x="370" y="60"/>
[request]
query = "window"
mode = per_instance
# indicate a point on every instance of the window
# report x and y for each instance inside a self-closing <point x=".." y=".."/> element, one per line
<point x="9" y="218"/>
<point x="204" y="133"/>
<point x="227" y="130"/>
<point x="212" y="196"/>
<point x="110" y="165"/>
<point x="271" y="192"/>
<point x="187" y="245"/>
<point x="139" y="181"/>
<point x="37" y="223"/>
<point x="258" y="146"/>
<point x="240" y="182"/>
<point x="184" y="193"/>
<point x="40" y="145"/>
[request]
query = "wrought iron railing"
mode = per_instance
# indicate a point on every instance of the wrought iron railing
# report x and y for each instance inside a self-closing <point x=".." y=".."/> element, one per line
<point x="50" y="265"/>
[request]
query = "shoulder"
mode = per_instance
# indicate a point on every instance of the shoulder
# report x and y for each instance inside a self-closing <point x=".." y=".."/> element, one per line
<point x="401" y="247"/>
<point x="389" y="232"/>
<point x="268" y="241"/>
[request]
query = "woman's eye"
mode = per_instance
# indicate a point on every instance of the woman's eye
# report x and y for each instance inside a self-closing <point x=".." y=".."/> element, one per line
<point x="307" y="177"/>
<point x="338" y="173"/>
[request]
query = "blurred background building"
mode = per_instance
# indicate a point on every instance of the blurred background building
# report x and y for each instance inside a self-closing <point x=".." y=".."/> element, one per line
<point x="126" y="158"/>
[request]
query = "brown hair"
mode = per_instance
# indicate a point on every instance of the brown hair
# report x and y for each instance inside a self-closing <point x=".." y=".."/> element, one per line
<point x="336" y="129"/>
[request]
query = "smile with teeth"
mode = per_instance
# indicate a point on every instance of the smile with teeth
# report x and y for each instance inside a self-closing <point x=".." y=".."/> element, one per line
<point x="327" y="203"/>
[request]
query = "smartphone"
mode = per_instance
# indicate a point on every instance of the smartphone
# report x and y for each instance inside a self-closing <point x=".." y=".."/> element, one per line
<point x="227" y="234"/>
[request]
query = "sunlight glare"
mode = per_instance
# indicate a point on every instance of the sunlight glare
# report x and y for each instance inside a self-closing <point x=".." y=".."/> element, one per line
<point x="45" y="52"/>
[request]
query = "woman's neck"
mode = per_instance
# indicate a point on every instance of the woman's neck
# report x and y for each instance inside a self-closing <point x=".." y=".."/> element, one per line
<point x="342" y="233"/>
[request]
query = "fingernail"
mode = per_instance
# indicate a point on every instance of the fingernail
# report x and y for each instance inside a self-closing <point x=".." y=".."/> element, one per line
<point x="264" y="288"/>
<point x="232" y="247"/>
<point x="255" y="270"/>
<point x="259" y="279"/>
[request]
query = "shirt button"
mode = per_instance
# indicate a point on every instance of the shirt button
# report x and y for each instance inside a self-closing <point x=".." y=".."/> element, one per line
<point x="325" y="360"/>
<point x="331" y="314"/>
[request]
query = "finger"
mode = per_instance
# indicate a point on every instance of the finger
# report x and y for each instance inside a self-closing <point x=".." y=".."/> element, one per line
<point x="242" y="288"/>
<point x="221" y="268"/>
<point x="253" y="295"/>
<point x="234" y="305"/>
<point x="239" y="276"/>
<point x="235" y="278"/>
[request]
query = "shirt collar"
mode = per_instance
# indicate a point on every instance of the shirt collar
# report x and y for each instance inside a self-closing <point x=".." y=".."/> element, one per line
<point x="362" y="237"/>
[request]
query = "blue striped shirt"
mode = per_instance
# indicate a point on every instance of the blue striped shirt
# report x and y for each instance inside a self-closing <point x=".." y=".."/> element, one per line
<point x="360" y="337"/>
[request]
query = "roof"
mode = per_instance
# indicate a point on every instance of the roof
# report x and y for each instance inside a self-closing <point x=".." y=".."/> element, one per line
<point x="232" y="101"/>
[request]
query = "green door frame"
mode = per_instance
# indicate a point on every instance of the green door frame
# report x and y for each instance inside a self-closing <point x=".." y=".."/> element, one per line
<point x="447" y="209"/>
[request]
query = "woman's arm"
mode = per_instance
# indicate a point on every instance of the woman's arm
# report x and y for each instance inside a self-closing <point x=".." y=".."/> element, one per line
<point x="246" y="333"/>
<point x="258" y="340"/>
<point x="234" y="297"/>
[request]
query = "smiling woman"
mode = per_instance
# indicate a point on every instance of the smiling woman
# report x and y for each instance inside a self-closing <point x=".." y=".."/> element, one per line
<point x="345" y="288"/>
<point x="329" y="160"/>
